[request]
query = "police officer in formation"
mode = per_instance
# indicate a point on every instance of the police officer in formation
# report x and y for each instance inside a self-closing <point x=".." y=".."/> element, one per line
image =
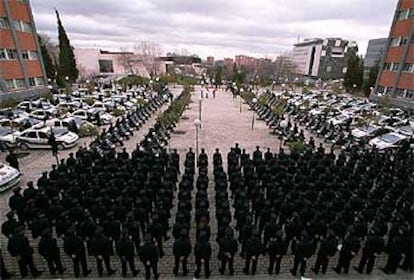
<point x="312" y="203"/>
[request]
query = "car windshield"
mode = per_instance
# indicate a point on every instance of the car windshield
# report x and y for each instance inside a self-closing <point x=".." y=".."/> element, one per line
<point x="5" y="131"/>
<point x="368" y="128"/>
<point x="59" y="131"/>
<point x="390" y="138"/>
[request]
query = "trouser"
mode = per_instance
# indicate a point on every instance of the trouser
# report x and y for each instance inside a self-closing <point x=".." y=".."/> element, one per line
<point x="106" y="259"/>
<point x="344" y="262"/>
<point x="392" y="262"/>
<point x="272" y="260"/>
<point x="130" y="261"/>
<point x="177" y="264"/>
<point x="408" y="261"/>
<point x="226" y="260"/>
<point x="366" y="258"/>
<point x="299" y="260"/>
<point x="26" y="262"/>
<point x="253" y="260"/>
<point x="54" y="264"/>
<point x="4" y="274"/>
<point x="321" y="261"/>
<point x="154" y="267"/>
<point x="198" y="267"/>
<point x="80" y="260"/>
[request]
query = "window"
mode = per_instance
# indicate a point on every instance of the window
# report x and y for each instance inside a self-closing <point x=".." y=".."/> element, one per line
<point x="11" y="54"/>
<point x="32" y="82"/>
<point x="408" y="67"/>
<point x="20" y="25"/>
<point x="409" y="94"/>
<point x="344" y="70"/>
<point x="3" y="54"/>
<point x="400" y="92"/>
<point x="105" y="66"/>
<point x="337" y="43"/>
<point x="10" y="84"/>
<point x="395" y="66"/>
<point x="323" y="53"/>
<point x="403" y="14"/>
<point x="40" y="81"/>
<point x="25" y="55"/>
<point x="388" y="91"/>
<point x="387" y="66"/>
<point x="395" y="42"/>
<point x="19" y="83"/>
<point x="4" y="23"/>
<point x="31" y="134"/>
<point x="33" y="55"/>
<point x="404" y="41"/>
<point x="380" y="89"/>
<point x="328" y="69"/>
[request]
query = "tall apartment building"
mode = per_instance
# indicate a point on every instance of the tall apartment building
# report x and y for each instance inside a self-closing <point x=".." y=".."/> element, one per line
<point x="324" y="59"/>
<point x="22" y="72"/>
<point x="375" y="51"/>
<point x="396" y="76"/>
<point x="246" y="61"/>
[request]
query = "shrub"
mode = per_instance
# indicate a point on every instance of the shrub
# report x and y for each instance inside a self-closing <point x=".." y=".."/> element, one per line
<point x="118" y="112"/>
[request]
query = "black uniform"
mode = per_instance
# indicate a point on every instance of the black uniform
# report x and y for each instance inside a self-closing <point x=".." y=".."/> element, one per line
<point x="149" y="255"/>
<point x="276" y="248"/>
<point x="202" y="252"/>
<point x="254" y="248"/>
<point x="373" y="247"/>
<point x="349" y="249"/>
<point x="125" y="250"/>
<point x="74" y="247"/>
<point x="19" y="247"/>
<point x="181" y="251"/>
<point x="303" y="250"/>
<point x="228" y="248"/>
<point x="327" y="249"/>
<point x="50" y="251"/>
<point x="101" y="249"/>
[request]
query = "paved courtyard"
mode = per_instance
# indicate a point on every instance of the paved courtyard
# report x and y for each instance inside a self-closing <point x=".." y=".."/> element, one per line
<point x="222" y="126"/>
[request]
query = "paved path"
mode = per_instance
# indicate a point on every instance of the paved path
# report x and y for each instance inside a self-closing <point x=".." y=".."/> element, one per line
<point x="222" y="126"/>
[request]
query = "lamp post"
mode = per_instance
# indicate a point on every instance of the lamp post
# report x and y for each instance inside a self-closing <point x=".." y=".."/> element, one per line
<point x="200" y="102"/>
<point x="283" y="124"/>
<point x="354" y="86"/>
<point x="241" y="93"/>
<point x="273" y="85"/>
<point x="254" y="100"/>
<point x="197" y="124"/>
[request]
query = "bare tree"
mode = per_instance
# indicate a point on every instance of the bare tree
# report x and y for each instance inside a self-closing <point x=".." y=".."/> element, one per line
<point x="149" y="53"/>
<point x="285" y="67"/>
<point x="126" y="60"/>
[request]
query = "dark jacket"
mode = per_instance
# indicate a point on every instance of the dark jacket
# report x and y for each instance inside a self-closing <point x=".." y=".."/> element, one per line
<point x="148" y="252"/>
<point x="182" y="247"/>
<point x="125" y="247"/>
<point x="19" y="246"/>
<point x="48" y="248"/>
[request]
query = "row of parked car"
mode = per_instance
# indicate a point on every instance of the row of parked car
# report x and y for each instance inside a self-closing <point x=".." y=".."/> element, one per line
<point x="30" y="124"/>
<point x="342" y="120"/>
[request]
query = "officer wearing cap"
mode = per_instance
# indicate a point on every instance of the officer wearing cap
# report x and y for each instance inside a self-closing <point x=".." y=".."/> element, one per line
<point x="149" y="255"/>
<point x="50" y="251"/>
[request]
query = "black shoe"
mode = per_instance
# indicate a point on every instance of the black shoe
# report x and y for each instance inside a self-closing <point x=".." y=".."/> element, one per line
<point x="111" y="272"/>
<point x="87" y="273"/>
<point x="292" y="272"/>
<point x="175" y="272"/>
<point x="185" y="272"/>
<point x="196" y="275"/>
<point x="269" y="271"/>
<point x="245" y="271"/>
<point x="357" y="269"/>
<point x="135" y="273"/>
<point x="336" y="270"/>
<point x="314" y="271"/>
<point x="221" y="271"/>
<point x="8" y="275"/>
<point x="63" y="270"/>
<point x="208" y="274"/>
<point x="37" y="274"/>
<point x="156" y="276"/>
<point x="231" y="272"/>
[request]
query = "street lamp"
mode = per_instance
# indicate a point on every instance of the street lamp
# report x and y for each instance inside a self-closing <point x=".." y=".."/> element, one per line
<point x="354" y="86"/>
<point x="283" y="124"/>
<point x="241" y="94"/>
<point x="197" y="124"/>
<point x="254" y="101"/>
<point x="200" y="101"/>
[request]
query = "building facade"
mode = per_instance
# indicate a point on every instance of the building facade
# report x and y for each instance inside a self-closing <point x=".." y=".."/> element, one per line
<point x="396" y="76"/>
<point x="22" y="72"/>
<point x="324" y="59"/>
<point x="100" y="63"/>
<point x="245" y="61"/>
<point x="375" y="50"/>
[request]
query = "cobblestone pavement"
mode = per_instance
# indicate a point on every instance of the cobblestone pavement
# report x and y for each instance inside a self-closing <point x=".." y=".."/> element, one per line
<point x="222" y="125"/>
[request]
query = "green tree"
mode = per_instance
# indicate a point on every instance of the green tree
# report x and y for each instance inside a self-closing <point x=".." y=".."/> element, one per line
<point x="239" y="75"/>
<point x="47" y="60"/>
<point x="67" y="63"/>
<point x="355" y="72"/>
<point x="218" y="75"/>
<point x="372" y="78"/>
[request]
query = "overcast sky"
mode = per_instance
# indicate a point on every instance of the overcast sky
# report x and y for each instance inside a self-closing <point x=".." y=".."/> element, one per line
<point x="222" y="28"/>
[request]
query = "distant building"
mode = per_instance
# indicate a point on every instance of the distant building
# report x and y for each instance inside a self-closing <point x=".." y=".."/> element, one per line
<point x="246" y="61"/>
<point x="374" y="54"/>
<point x="22" y="72"/>
<point x="324" y="59"/>
<point x="182" y="64"/>
<point x="96" y="62"/>
<point x="396" y="76"/>
<point x="210" y="60"/>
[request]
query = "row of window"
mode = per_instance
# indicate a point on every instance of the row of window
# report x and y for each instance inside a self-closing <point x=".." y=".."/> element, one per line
<point x="405" y="14"/>
<point x="399" y="41"/>
<point x="9" y="54"/>
<point x="18" y="25"/>
<point x="19" y="83"/>
<point x="394" y="66"/>
<point x="399" y="92"/>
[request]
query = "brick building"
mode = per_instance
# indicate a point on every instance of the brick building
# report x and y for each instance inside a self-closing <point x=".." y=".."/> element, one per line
<point x="22" y="72"/>
<point x="396" y="76"/>
<point x="246" y="61"/>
